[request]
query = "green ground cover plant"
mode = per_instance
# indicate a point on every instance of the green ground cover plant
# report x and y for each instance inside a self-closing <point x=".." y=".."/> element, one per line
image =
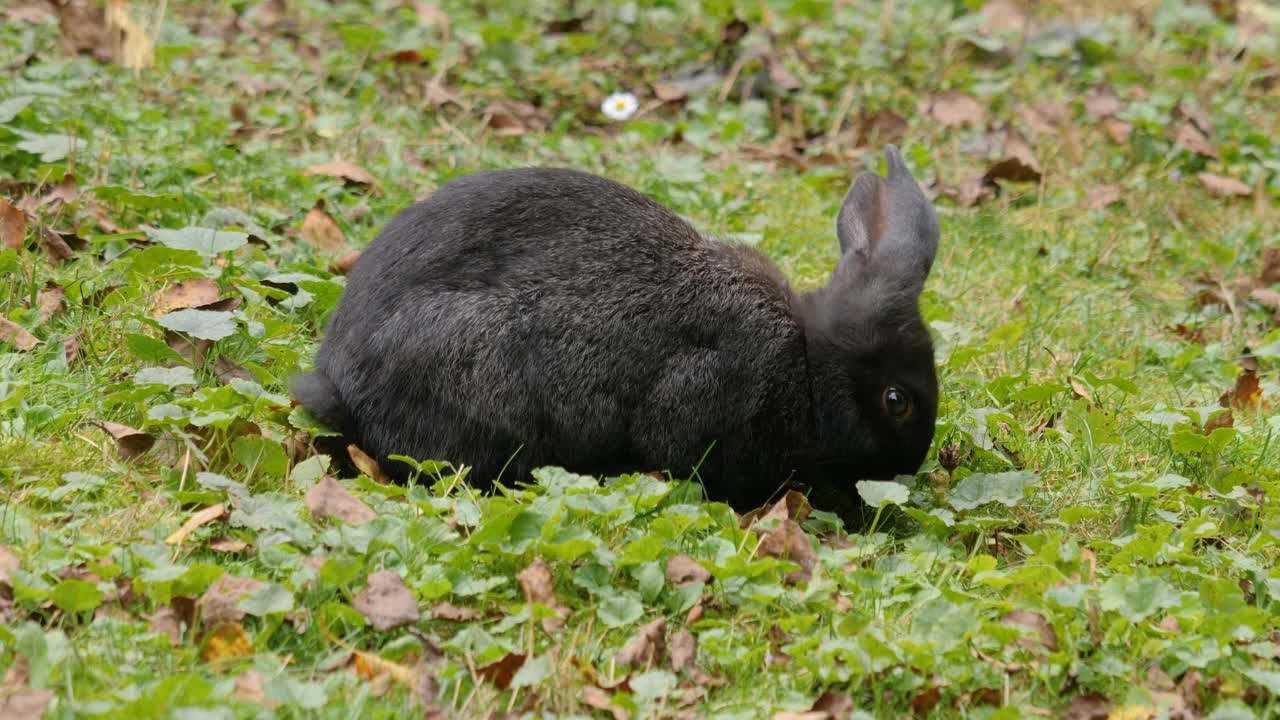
<point x="1094" y="534"/>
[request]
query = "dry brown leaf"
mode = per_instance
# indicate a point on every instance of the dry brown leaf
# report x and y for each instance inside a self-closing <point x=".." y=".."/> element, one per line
<point x="668" y="93"/>
<point x="1222" y="419"/>
<point x="228" y="545"/>
<point x="1223" y="186"/>
<point x="367" y="465"/>
<point x="974" y="191"/>
<point x="1189" y="689"/>
<point x="101" y="215"/>
<point x="572" y="24"/>
<point x="17" y="676"/>
<point x="683" y="649"/>
<point x="426" y="690"/>
<point x="321" y="231"/>
<point x="690" y="696"/>
<point x="1080" y="390"/>
<point x="537" y="584"/>
<point x="882" y="126"/>
<point x="82" y="25"/>
<point x="13" y="225"/>
<point x="193" y="350"/>
<point x="539" y="588"/>
<point x="682" y="570"/>
<point x="449" y="611"/>
<point x="1191" y="140"/>
<point x="1019" y="163"/>
<point x="226" y="642"/>
<point x="430" y="13"/>
<point x="63" y="192"/>
<point x="25" y="705"/>
<point x="131" y="443"/>
<point x="1199" y="118"/>
<point x="8" y="561"/>
<point x="694" y="614"/>
<point x="203" y="517"/>
<point x="925" y="700"/>
<point x="594" y="697"/>
<point x="1246" y="395"/>
<point x="13" y="333"/>
<point x="785" y="538"/>
<point x="192" y="293"/>
<point x="408" y="56"/>
<point x="71" y="348"/>
<point x="1100" y="101"/>
<point x="1003" y="16"/>
<point x="1035" y="621"/>
<point x="501" y="671"/>
<point x="438" y="95"/>
<point x="343" y="170"/>
<point x="794" y="505"/>
<point x="1118" y="130"/>
<point x="346" y="263"/>
<point x="1266" y="297"/>
<point x="1270" y="265"/>
<point x="226" y="369"/>
<point x="509" y="117"/>
<point x="166" y="621"/>
<point x="328" y="498"/>
<point x="1099" y="197"/>
<point x="35" y="12"/>
<point x="1088" y="706"/>
<point x="954" y="109"/>
<point x="780" y="77"/>
<point x="986" y="696"/>
<point x="647" y="648"/>
<point x="835" y="704"/>
<point x="386" y="601"/>
<point x="1044" y="121"/>
<point x="1195" y="335"/>
<point x="220" y="604"/>
<point x="55" y="245"/>
<point x="249" y="687"/>
<point x="50" y="301"/>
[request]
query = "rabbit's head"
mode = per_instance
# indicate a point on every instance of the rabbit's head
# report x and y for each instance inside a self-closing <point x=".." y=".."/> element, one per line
<point x="874" y="387"/>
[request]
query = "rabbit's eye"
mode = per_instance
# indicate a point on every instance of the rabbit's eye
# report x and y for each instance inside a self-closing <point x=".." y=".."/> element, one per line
<point x="896" y="401"/>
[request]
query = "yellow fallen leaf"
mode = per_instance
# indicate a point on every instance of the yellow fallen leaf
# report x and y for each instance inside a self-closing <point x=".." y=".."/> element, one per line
<point x="137" y="46"/>
<point x="226" y="642"/>
<point x="204" y="517"/>
<point x="367" y="465"/>
<point x="1131" y="712"/>
<point x="370" y="666"/>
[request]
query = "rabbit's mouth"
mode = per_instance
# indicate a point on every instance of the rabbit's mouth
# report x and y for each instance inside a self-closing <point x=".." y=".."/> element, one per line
<point x="843" y="471"/>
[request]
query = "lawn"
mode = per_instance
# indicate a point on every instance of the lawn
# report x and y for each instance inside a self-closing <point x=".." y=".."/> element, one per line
<point x="1093" y="535"/>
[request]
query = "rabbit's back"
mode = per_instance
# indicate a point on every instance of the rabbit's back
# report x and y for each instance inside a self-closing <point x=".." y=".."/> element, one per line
<point x="570" y="318"/>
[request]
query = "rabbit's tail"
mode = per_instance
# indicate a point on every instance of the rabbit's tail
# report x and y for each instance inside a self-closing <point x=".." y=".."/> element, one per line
<point x="317" y="393"/>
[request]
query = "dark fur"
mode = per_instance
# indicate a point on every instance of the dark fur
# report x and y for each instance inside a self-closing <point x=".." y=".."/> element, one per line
<point x="576" y="321"/>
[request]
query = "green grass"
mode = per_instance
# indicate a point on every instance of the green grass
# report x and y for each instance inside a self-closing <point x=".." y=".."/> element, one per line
<point x="1080" y="484"/>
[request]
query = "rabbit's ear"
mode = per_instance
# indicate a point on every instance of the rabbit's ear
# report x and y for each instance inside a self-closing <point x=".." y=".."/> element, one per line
<point x="887" y="228"/>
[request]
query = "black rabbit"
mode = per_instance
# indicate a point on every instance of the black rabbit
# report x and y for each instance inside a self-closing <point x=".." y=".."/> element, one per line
<point x="530" y="317"/>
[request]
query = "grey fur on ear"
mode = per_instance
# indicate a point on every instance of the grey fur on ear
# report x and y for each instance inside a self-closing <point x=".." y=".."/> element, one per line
<point x="887" y="226"/>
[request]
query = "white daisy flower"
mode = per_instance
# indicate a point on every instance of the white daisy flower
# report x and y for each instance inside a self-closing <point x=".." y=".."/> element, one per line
<point x="620" y="106"/>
